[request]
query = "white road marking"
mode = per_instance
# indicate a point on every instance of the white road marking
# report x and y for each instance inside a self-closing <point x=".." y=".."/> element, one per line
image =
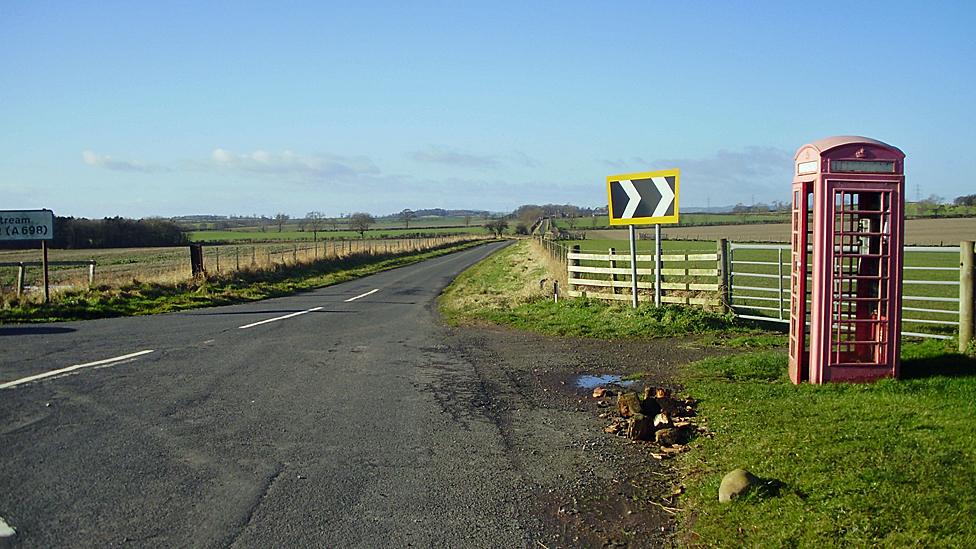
<point x="253" y="324"/>
<point x="107" y="361"/>
<point x="6" y="530"/>
<point x="371" y="292"/>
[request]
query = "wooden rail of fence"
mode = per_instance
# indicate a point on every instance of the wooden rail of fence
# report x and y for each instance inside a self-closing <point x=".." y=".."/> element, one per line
<point x="22" y="270"/>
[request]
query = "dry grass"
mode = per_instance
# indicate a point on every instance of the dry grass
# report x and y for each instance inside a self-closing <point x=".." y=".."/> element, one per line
<point x="505" y="280"/>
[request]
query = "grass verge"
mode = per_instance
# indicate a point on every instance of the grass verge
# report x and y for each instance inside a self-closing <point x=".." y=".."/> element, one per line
<point x="891" y="463"/>
<point x="505" y="289"/>
<point x="143" y="298"/>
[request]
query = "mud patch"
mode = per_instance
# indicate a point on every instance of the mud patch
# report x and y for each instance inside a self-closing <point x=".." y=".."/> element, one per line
<point x="592" y="488"/>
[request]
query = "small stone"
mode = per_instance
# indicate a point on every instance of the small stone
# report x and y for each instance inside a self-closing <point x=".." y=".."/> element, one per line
<point x="735" y="484"/>
<point x="601" y="392"/>
<point x="662" y="419"/>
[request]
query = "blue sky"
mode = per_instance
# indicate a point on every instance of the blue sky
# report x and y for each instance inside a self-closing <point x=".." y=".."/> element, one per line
<point x="170" y="108"/>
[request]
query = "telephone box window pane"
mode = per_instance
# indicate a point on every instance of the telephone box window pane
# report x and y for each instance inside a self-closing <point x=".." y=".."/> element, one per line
<point x="862" y="166"/>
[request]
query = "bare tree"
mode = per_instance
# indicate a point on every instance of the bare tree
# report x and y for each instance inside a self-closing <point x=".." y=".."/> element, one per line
<point x="406" y="216"/>
<point x="497" y="226"/>
<point x="280" y="219"/>
<point x="360" y="222"/>
<point x="315" y="221"/>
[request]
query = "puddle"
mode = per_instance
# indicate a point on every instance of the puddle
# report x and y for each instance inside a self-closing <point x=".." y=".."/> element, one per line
<point x="587" y="381"/>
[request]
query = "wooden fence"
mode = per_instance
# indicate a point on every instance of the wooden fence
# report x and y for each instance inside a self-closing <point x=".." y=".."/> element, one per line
<point x="688" y="279"/>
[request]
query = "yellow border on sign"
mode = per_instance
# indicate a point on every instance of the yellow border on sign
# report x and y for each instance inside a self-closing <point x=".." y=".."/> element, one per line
<point x="664" y="219"/>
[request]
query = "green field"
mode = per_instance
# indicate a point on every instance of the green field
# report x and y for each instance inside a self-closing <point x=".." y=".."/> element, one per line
<point x="341" y="223"/>
<point x="272" y="235"/>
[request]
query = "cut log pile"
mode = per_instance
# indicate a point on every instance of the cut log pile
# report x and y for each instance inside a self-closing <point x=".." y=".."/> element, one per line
<point x="653" y="415"/>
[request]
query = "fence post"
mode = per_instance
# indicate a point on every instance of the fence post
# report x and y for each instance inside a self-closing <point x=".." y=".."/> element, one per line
<point x="966" y="294"/>
<point x="613" y="276"/>
<point x="91" y="274"/>
<point x="237" y="258"/>
<point x="21" y="274"/>
<point x="573" y="262"/>
<point x="555" y="291"/>
<point x="196" y="260"/>
<point x="217" y="256"/>
<point x="724" y="274"/>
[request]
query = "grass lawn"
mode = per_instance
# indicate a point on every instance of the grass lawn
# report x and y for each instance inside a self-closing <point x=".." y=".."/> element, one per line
<point x="891" y="463"/>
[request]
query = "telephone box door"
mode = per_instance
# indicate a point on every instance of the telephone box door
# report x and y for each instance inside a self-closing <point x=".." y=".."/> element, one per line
<point x="799" y="271"/>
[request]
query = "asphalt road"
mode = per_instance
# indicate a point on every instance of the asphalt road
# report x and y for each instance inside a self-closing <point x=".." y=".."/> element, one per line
<point x="330" y="427"/>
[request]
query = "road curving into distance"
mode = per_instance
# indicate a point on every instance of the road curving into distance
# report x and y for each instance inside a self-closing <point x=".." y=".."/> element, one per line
<point x="309" y="420"/>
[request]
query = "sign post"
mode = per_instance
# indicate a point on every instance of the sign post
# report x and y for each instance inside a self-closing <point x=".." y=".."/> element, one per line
<point x="644" y="198"/>
<point x="30" y="225"/>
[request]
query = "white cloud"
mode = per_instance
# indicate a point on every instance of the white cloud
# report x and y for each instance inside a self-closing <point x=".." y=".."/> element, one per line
<point x="107" y="162"/>
<point x="450" y="157"/>
<point x="289" y="164"/>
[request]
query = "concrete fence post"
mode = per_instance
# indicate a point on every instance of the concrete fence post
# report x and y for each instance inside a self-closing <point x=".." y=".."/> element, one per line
<point x="966" y="294"/>
<point x="91" y="274"/>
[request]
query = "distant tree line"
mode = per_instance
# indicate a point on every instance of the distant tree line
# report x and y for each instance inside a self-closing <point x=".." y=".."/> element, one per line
<point x="111" y="232"/>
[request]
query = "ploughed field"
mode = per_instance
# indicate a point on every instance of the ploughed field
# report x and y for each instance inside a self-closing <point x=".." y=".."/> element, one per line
<point x="918" y="232"/>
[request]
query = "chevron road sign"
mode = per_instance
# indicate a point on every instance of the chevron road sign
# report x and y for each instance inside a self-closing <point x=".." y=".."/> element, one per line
<point x="643" y="198"/>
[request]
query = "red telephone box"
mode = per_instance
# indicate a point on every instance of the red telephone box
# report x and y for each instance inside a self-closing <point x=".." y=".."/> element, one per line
<point x="846" y="260"/>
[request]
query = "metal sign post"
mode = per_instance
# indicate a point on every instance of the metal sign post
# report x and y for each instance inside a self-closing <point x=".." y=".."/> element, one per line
<point x="657" y="265"/>
<point x="644" y="198"/>
<point x="633" y="265"/>
<point x="47" y="286"/>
